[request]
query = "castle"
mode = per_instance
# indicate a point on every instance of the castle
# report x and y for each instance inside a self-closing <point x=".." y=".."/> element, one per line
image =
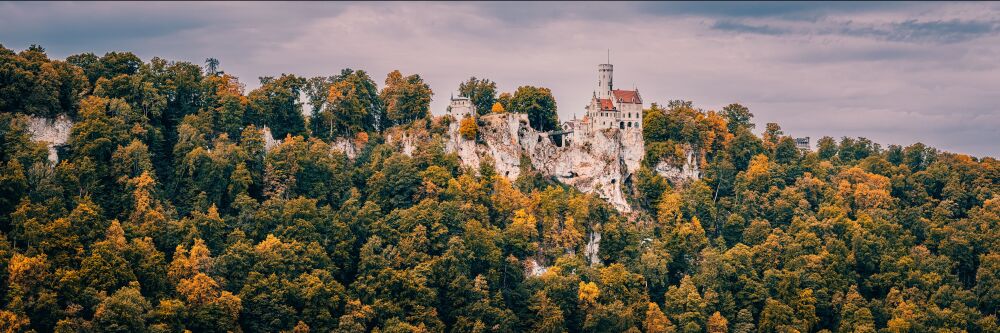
<point x="608" y="108"/>
<point x="613" y="108"/>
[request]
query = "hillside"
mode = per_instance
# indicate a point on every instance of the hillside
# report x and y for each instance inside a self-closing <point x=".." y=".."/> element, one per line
<point x="160" y="196"/>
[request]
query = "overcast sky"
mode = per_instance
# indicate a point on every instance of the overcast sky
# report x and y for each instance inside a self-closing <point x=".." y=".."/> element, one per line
<point x="893" y="72"/>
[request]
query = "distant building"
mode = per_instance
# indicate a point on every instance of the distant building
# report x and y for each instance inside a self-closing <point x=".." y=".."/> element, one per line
<point x="802" y="143"/>
<point x="461" y="107"/>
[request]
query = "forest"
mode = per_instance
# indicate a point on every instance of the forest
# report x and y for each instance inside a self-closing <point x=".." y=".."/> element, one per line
<point x="167" y="212"/>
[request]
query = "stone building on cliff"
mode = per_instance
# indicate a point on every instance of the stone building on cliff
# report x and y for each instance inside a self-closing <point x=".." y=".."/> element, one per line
<point x="608" y="108"/>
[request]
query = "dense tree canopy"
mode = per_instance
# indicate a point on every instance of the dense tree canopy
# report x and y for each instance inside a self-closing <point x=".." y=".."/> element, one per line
<point x="169" y="211"/>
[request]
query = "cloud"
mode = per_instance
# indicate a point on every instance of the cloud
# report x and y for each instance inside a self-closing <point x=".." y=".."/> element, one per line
<point x="765" y="9"/>
<point x="908" y="31"/>
<point x="951" y="31"/>
<point x="892" y="72"/>
<point x="727" y="25"/>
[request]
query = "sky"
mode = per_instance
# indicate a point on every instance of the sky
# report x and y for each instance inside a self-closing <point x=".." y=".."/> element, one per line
<point x="896" y="73"/>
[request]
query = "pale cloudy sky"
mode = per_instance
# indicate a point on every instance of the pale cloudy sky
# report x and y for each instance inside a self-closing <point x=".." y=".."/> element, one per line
<point x="893" y="72"/>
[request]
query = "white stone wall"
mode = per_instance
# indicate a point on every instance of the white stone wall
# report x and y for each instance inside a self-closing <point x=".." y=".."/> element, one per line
<point x="631" y="114"/>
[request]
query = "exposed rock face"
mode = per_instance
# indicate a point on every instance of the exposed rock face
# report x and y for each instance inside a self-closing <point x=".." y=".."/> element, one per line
<point x="501" y="133"/>
<point x="345" y="146"/>
<point x="269" y="141"/>
<point x="688" y="171"/>
<point x="54" y="132"/>
<point x="593" y="248"/>
<point x="596" y="162"/>
<point x="407" y="139"/>
<point x="533" y="269"/>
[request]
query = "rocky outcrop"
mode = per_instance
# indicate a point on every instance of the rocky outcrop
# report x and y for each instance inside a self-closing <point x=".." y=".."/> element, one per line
<point x="54" y="132"/>
<point x="341" y="144"/>
<point x="501" y="135"/>
<point x="269" y="141"/>
<point x="346" y="146"/>
<point x="593" y="248"/>
<point x="596" y="162"/>
<point x="688" y="171"/>
<point x="534" y="269"/>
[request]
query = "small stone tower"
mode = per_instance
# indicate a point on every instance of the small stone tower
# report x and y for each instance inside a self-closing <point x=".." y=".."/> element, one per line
<point x="461" y="107"/>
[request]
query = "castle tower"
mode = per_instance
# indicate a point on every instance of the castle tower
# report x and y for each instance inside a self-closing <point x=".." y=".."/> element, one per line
<point x="461" y="107"/>
<point x="605" y="73"/>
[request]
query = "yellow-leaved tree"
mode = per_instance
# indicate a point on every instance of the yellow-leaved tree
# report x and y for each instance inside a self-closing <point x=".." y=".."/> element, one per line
<point x="497" y="108"/>
<point x="468" y="128"/>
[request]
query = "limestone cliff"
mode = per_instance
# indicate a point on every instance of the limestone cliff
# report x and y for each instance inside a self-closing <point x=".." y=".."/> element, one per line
<point x="680" y="174"/>
<point x="595" y="162"/>
<point x="269" y="141"/>
<point x="54" y="132"/>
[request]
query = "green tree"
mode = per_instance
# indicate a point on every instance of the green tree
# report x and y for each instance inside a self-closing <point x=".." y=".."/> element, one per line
<point x="106" y="268"/>
<point x="548" y="316"/>
<point x="777" y="317"/>
<point x="988" y="282"/>
<point x="406" y="98"/>
<point x="276" y="104"/>
<point x="826" y="147"/>
<point x="352" y="105"/>
<point x="686" y="304"/>
<point x="855" y="315"/>
<point x="737" y="116"/>
<point x="539" y="104"/>
<point x="211" y="66"/>
<point x="123" y="311"/>
<point x="482" y="92"/>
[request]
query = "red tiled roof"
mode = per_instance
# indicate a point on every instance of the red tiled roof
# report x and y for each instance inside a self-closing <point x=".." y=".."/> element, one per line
<point x="627" y="96"/>
<point x="606" y="104"/>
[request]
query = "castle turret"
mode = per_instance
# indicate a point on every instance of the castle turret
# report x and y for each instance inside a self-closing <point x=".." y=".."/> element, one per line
<point x="605" y="73"/>
<point x="461" y="107"/>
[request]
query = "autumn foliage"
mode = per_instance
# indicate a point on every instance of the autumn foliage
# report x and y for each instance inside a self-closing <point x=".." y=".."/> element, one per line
<point x="169" y="210"/>
<point x="468" y="128"/>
